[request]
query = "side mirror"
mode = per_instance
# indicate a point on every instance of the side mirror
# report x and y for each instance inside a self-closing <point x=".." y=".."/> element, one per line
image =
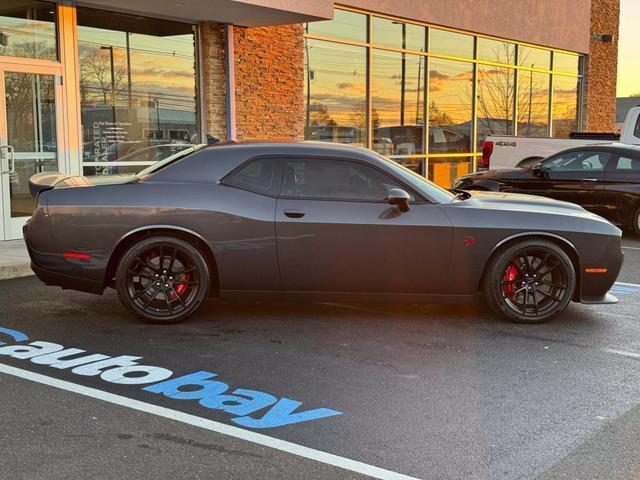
<point x="400" y="198"/>
<point x="536" y="169"/>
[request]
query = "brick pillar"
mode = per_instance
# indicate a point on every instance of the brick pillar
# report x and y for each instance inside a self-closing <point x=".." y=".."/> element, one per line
<point x="213" y="74"/>
<point x="269" y="71"/>
<point x="601" y="68"/>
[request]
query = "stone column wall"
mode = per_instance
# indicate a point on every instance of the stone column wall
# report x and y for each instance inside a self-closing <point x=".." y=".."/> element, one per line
<point x="601" y="68"/>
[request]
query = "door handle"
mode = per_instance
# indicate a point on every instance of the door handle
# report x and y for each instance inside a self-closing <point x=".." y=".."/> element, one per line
<point x="589" y="180"/>
<point x="294" y="213"/>
<point x="11" y="160"/>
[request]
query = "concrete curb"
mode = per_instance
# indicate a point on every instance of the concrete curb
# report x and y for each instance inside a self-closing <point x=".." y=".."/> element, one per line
<point x="18" y="270"/>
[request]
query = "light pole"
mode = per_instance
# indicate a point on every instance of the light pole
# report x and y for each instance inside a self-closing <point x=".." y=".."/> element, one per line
<point x="404" y="70"/>
<point x="129" y="78"/>
<point x="113" y="79"/>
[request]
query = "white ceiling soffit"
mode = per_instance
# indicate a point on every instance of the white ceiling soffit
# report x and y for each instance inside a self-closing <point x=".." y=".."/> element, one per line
<point x="248" y="13"/>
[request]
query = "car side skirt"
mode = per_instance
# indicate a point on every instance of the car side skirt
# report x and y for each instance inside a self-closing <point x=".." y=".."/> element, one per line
<point x="348" y="297"/>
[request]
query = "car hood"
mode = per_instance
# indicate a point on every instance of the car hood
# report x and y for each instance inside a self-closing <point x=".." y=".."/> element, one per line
<point x="525" y="203"/>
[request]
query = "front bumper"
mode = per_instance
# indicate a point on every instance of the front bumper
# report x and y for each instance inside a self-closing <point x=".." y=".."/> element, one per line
<point x="594" y="287"/>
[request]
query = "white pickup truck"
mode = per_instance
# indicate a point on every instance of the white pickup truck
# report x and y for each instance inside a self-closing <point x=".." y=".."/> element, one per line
<point x="513" y="152"/>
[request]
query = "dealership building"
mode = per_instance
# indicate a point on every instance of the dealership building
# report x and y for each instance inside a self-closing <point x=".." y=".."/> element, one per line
<point x="107" y="86"/>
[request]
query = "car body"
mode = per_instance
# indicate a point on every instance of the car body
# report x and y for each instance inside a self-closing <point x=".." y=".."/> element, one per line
<point x="604" y="179"/>
<point x="306" y="220"/>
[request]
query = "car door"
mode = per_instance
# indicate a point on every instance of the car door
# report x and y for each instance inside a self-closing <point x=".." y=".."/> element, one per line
<point x="622" y="187"/>
<point x="336" y="233"/>
<point x="574" y="176"/>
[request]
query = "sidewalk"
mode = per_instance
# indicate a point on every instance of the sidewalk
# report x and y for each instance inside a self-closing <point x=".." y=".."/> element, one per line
<point x="14" y="260"/>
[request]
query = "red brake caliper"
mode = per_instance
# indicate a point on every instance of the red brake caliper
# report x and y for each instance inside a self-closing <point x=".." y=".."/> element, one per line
<point x="510" y="274"/>
<point x="182" y="287"/>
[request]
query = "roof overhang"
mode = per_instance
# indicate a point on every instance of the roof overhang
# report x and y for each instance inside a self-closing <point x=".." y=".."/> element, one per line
<point x="248" y="13"/>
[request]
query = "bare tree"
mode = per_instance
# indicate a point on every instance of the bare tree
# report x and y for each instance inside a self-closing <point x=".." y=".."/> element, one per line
<point x="95" y="76"/>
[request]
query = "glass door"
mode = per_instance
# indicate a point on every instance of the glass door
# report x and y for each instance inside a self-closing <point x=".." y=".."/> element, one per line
<point x="29" y="139"/>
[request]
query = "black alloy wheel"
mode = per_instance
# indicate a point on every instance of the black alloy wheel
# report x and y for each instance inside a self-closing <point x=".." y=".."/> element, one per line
<point x="635" y="222"/>
<point x="162" y="279"/>
<point x="530" y="282"/>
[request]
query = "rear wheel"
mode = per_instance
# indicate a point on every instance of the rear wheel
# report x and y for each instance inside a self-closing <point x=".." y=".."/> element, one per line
<point x="530" y="282"/>
<point x="162" y="279"/>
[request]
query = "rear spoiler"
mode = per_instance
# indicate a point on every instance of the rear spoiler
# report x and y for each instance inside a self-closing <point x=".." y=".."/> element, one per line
<point x="44" y="181"/>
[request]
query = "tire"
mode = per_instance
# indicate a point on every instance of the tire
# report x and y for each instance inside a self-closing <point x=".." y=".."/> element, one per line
<point x="530" y="281"/>
<point x="180" y="286"/>
<point x="635" y="222"/>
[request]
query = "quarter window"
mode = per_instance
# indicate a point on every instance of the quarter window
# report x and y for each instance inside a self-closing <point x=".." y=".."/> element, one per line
<point x="335" y="180"/>
<point x="257" y="175"/>
<point x="578" y="161"/>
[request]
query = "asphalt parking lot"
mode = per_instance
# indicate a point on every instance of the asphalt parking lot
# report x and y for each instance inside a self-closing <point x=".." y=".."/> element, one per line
<point x="421" y="391"/>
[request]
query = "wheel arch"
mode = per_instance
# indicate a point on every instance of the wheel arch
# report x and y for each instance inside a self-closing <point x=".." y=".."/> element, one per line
<point x="566" y="245"/>
<point x="137" y="234"/>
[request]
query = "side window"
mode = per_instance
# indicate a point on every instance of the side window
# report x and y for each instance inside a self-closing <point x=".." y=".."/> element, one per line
<point x="257" y="175"/>
<point x="578" y="162"/>
<point x="636" y="132"/>
<point x="627" y="164"/>
<point x="335" y="180"/>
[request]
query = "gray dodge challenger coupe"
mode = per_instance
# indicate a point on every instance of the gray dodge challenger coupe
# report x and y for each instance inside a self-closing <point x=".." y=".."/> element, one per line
<point x="317" y="222"/>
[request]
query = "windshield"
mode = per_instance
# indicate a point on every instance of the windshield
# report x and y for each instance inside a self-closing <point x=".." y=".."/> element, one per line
<point x="169" y="160"/>
<point x="436" y="193"/>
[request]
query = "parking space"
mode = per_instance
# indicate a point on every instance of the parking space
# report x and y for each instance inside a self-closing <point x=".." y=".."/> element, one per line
<point x="425" y="391"/>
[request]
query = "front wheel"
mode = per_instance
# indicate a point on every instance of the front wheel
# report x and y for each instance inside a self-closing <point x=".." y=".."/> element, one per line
<point x="530" y="282"/>
<point x="635" y="222"/>
<point x="162" y="279"/>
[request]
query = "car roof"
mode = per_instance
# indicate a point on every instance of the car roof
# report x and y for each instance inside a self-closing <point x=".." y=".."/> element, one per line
<point x="605" y="147"/>
<point x="306" y="146"/>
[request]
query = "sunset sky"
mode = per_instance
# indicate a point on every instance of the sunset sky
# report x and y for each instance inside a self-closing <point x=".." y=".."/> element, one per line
<point x="629" y="55"/>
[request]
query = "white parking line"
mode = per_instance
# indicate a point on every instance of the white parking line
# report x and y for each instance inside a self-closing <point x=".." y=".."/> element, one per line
<point x="627" y="284"/>
<point x="623" y="353"/>
<point x="631" y="248"/>
<point x="231" y="431"/>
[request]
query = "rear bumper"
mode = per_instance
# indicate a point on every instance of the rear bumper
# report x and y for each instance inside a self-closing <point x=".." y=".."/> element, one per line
<point x="67" y="281"/>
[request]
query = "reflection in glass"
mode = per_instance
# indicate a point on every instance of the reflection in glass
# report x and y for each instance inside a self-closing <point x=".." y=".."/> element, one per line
<point x="345" y="25"/>
<point x="398" y="34"/>
<point x="450" y="106"/>
<point x="31" y="131"/>
<point x="137" y="83"/>
<point x="565" y="105"/>
<point x="335" y="88"/>
<point x="397" y="102"/>
<point x="563" y="62"/>
<point x="495" y="51"/>
<point x="496" y="98"/>
<point x="444" y="42"/>
<point x="28" y="29"/>
<point x="533" y="104"/>
<point x="534" y="57"/>
<point x="412" y="163"/>
<point x="443" y="171"/>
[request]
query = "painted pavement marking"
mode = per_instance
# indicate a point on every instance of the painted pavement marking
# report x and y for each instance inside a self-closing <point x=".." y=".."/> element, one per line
<point x="221" y="428"/>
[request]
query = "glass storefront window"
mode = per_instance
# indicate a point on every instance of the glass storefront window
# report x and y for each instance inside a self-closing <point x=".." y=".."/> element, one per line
<point x="496" y="101"/>
<point x="335" y="92"/>
<point x="533" y="104"/>
<point x="563" y="62"/>
<point x="444" y="42"/>
<point x="397" y="102"/>
<point x="28" y="29"/>
<point x="534" y="57"/>
<point x="345" y="25"/>
<point x="444" y="170"/>
<point x="565" y="105"/>
<point x="398" y="34"/>
<point x="137" y="85"/>
<point x="495" y="51"/>
<point x="450" y="106"/>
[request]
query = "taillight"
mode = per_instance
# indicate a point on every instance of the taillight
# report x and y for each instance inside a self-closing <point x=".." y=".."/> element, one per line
<point x="487" y="150"/>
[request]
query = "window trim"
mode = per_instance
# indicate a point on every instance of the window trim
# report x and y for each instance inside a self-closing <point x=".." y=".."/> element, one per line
<point x="419" y="198"/>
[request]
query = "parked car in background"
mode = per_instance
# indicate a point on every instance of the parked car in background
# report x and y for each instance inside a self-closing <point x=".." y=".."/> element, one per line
<point x="502" y="152"/>
<point x="312" y="221"/>
<point x="604" y="179"/>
